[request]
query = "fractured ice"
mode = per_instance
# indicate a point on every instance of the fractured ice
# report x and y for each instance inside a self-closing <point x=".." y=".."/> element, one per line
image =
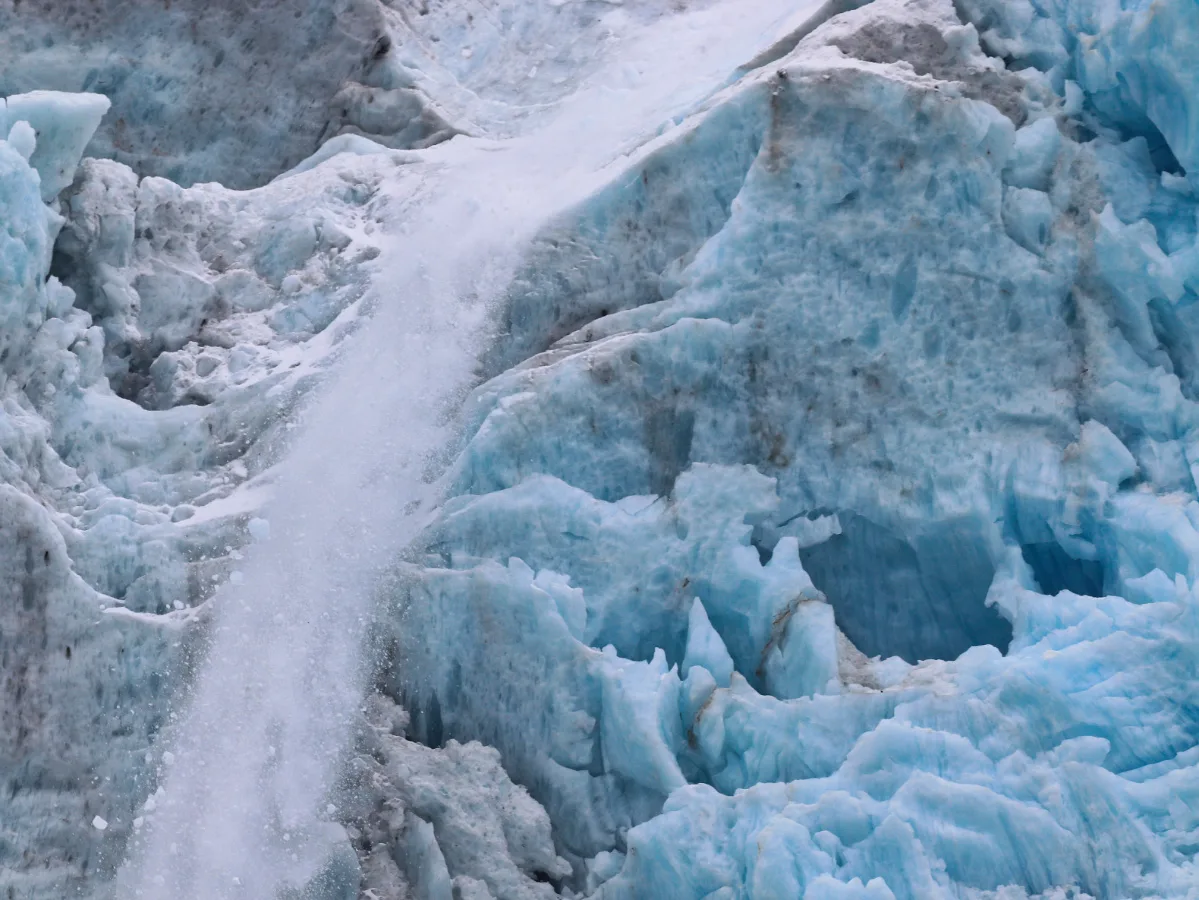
<point x="823" y="518"/>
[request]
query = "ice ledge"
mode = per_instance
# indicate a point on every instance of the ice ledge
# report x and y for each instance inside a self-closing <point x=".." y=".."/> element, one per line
<point x="63" y="124"/>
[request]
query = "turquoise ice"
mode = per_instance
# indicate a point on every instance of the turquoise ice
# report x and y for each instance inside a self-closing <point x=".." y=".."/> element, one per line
<point x="819" y="519"/>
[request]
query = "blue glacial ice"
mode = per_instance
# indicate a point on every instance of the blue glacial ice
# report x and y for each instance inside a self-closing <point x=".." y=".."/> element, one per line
<point x="739" y="452"/>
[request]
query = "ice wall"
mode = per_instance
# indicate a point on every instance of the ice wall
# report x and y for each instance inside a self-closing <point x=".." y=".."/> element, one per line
<point x="824" y="519"/>
<point x="144" y="408"/>
<point x="237" y="93"/>
<point x="935" y="300"/>
<point x="226" y="92"/>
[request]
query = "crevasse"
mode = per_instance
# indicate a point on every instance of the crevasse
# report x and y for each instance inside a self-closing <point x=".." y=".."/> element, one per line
<point x="743" y="451"/>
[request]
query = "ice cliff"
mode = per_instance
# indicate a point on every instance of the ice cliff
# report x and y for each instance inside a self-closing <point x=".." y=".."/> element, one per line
<point x="818" y="520"/>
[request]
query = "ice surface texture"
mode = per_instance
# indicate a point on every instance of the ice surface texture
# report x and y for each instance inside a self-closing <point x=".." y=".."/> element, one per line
<point x="909" y="360"/>
<point x="212" y="90"/>
<point x="825" y="526"/>
<point x="156" y="385"/>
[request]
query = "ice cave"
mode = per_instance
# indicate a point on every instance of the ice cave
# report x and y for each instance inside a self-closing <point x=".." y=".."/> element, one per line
<point x="609" y="449"/>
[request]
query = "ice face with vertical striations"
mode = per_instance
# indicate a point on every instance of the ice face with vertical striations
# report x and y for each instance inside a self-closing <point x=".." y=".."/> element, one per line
<point x="629" y="450"/>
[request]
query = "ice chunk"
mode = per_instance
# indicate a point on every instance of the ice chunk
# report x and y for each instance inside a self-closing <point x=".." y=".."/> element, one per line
<point x="802" y="660"/>
<point x="259" y="528"/>
<point x="1131" y="260"/>
<point x="705" y="648"/>
<point x="1104" y="455"/>
<point x="488" y="831"/>
<point x="1034" y="153"/>
<point x="825" y="887"/>
<point x="641" y="729"/>
<point x="1028" y="217"/>
<point x="570" y="601"/>
<point x="22" y="138"/>
<point x="63" y="124"/>
<point x="425" y="862"/>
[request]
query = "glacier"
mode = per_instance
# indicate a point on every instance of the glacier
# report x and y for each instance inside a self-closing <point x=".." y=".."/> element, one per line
<point x="614" y="450"/>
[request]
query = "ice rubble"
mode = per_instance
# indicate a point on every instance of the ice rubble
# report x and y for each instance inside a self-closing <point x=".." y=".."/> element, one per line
<point x="425" y="812"/>
<point x="827" y="527"/>
<point x="119" y="512"/>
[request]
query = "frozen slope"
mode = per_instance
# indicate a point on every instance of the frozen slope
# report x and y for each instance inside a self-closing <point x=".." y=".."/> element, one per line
<point x="822" y="516"/>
